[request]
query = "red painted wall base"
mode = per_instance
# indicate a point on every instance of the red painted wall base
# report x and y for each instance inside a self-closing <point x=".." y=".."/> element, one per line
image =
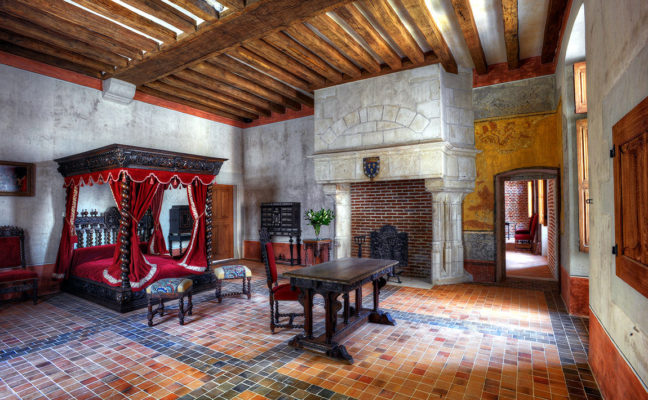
<point x="574" y="291"/>
<point x="252" y="250"/>
<point x="481" y="271"/>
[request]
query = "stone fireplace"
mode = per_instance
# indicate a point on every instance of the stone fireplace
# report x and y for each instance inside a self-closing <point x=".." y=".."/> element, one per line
<point x="419" y="123"/>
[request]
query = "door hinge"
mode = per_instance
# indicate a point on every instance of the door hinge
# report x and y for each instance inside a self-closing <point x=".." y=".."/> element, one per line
<point x="615" y="249"/>
<point x="613" y="151"/>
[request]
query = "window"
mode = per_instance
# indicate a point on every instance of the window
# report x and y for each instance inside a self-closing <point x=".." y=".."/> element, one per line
<point x="583" y="185"/>
<point x="580" y="88"/>
<point x="630" y="139"/>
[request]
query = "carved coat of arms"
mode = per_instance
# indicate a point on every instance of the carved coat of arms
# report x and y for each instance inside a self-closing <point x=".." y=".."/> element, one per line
<point x="371" y="166"/>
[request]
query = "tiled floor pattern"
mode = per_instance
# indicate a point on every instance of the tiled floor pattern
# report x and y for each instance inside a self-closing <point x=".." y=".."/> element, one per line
<point x="469" y="341"/>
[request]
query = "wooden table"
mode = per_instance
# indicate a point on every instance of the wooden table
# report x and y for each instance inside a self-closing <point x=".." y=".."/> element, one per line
<point x="332" y="279"/>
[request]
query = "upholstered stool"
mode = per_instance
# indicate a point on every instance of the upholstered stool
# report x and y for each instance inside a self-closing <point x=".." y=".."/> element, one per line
<point x="169" y="289"/>
<point x="227" y="272"/>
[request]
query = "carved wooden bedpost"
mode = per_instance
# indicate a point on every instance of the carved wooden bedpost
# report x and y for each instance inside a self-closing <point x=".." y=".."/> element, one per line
<point x="124" y="230"/>
<point x="208" y="225"/>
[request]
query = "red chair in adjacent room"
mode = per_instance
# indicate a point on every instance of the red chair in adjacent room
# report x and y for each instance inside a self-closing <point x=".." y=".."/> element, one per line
<point x="527" y="235"/>
<point x="14" y="277"/>
<point x="277" y="292"/>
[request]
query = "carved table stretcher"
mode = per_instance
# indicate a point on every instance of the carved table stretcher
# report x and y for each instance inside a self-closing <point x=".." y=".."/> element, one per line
<point x="332" y="279"/>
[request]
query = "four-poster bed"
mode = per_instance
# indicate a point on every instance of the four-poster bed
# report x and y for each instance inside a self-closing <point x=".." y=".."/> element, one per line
<point x="114" y="275"/>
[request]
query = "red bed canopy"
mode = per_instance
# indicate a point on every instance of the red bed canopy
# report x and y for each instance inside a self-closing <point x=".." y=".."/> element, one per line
<point x="137" y="178"/>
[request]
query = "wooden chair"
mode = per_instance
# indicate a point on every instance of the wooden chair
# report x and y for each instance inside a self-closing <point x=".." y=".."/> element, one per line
<point x="14" y="276"/>
<point x="527" y="235"/>
<point x="277" y="292"/>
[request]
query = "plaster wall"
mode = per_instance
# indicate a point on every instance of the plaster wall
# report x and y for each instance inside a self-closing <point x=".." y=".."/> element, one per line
<point x="277" y="168"/>
<point x="617" y="55"/>
<point x="43" y="118"/>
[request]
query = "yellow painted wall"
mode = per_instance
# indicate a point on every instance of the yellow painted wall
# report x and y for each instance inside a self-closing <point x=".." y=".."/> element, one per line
<point x="506" y="144"/>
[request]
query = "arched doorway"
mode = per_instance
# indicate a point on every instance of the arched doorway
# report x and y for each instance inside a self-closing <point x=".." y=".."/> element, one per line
<point x="534" y="174"/>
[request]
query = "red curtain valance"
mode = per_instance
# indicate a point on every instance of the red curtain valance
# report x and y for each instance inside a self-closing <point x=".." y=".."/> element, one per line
<point x="139" y="175"/>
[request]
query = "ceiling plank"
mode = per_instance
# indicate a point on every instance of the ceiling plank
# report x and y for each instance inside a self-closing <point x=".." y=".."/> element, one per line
<point x="208" y="81"/>
<point x="233" y="4"/>
<point x="165" y="12"/>
<point x="298" y="67"/>
<point x="47" y="59"/>
<point x="225" y="76"/>
<point x="78" y="16"/>
<point x="30" y="30"/>
<point x="270" y="68"/>
<point x="422" y="17"/>
<point x="285" y="43"/>
<point x="187" y="95"/>
<point x="385" y="15"/>
<point x="555" y="14"/>
<point x="258" y="20"/>
<point x="54" y="51"/>
<point x="292" y="97"/>
<point x="199" y="8"/>
<point x="66" y="28"/>
<point x="127" y="17"/>
<point x="345" y="42"/>
<point x="217" y="96"/>
<point x="467" y="23"/>
<point x="197" y="106"/>
<point x="511" y="39"/>
<point x="329" y="53"/>
<point x="354" y="18"/>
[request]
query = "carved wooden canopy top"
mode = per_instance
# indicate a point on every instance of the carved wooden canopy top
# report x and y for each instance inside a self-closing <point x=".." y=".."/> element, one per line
<point x="122" y="156"/>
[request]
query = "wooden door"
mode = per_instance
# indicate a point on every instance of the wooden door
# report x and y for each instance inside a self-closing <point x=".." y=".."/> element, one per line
<point x="222" y="222"/>
<point x="630" y="139"/>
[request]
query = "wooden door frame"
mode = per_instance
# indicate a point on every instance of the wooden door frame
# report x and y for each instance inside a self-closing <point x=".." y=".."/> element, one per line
<point x="500" y="242"/>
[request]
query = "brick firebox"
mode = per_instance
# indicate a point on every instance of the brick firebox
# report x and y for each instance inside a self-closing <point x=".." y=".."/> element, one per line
<point x="404" y="204"/>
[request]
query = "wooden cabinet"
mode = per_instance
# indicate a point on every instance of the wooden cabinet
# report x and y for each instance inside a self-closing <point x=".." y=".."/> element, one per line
<point x="580" y="87"/>
<point x="630" y="139"/>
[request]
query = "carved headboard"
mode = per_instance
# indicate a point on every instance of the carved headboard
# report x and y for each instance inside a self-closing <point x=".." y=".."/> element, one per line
<point x="96" y="229"/>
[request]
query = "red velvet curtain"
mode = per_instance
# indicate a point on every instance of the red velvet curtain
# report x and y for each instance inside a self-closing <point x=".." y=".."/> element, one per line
<point x="195" y="259"/>
<point x="141" y="271"/>
<point x="156" y="244"/>
<point x="68" y="235"/>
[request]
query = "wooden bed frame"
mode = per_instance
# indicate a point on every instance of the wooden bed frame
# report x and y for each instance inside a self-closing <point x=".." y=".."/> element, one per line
<point x="122" y="298"/>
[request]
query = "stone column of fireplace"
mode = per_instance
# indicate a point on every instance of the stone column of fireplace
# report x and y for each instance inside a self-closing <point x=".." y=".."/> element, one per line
<point x="447" y="240"/>
<point x="342" y="194"/>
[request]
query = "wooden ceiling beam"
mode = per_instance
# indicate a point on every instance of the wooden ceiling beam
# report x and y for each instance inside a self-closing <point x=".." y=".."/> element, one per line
<point x="53" y="23"/>
<point x="467" y="23"/>
<point x="47" y="59"/>
<point x="555" y="15"/>
<point x="190" y="96"/>
<point x="385" y="15"/>
<point x="54" y="51"/>
<point x="292" y="98"/>
<point x="320" y="46"/>
<point x="78" y="16"/>
<point x="354" y="18"/>
<point x="233" y="4"/>
<point x="258" y="20"/>
<point x="345" y="42"/>
<point x="203" y="79"/>
<point x="192" y="104"/>
<point x="227" y="77"/>
<point x="36" y="32"/>
<point x="121" y="14"/>
<point x="268" y="67"/>
<point x="511" y="39"/>
<point x="200" y="90"/>
<point x="422" y="17"/>
<point x="298" y="67"/>
<point x="286" y="44"/>
<point x="165" y="12"/>
<point x="199" y="8"/>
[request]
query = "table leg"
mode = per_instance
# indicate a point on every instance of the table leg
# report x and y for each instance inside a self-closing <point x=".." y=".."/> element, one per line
<point x="346" y="307"/>
<point x="358" y="300"/>
<point x="308" y="313"/>
<point x="377" y="316"/>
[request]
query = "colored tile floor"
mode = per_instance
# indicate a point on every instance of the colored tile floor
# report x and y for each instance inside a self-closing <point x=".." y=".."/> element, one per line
<point x="469" y="341"/>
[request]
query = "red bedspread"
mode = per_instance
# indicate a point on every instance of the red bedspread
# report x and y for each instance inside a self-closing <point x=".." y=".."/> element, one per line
<point x="90" y="263"/>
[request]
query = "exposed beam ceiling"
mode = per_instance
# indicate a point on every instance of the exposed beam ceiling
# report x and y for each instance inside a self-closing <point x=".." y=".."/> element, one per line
<point x="555" y="15"/>
<point x="511" y="39"/>
<point x="467" y="22"/>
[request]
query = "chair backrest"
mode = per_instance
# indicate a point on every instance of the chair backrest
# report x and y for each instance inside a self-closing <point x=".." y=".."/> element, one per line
<point x="12" y="247"/>
<point x="267" y="253"/>
<point x="533" y="225"/>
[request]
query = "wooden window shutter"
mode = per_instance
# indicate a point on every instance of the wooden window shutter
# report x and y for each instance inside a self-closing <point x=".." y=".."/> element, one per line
<point x="583" y="185"/>
<point x="580" y="87"/>
<point x="630" y="137"/>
